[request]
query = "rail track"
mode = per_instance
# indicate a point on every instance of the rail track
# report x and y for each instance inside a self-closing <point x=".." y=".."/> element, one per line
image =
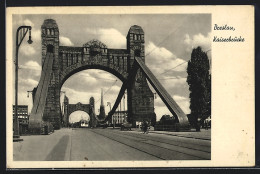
<point x="162" y="147"/>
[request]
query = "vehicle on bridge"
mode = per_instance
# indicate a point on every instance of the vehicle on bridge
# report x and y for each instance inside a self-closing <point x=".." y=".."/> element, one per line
<point x="103" y="125"/>
<point x="126" y="126"/>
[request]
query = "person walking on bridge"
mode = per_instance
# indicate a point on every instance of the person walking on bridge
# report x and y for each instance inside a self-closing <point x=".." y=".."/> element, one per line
<point x="145" y="126"/>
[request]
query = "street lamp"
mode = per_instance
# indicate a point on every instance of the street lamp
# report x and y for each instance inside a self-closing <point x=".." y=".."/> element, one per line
<point x="20" y="34"/>
<point x="28" y="93"/>
<point x="109" y="104"/>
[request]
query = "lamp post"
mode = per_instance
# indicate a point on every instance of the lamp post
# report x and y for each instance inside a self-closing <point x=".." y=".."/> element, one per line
<point x="109" y="104"/>
<point x="28" y="93"/>
<point x="20" y="34"/>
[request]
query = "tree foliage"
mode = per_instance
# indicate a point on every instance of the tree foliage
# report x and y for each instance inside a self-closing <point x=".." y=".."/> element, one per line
<point x="199" y="81"/>
<point x="167" y="120"/>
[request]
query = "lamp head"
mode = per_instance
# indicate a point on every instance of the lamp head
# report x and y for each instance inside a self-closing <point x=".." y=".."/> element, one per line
<point x="30" y="37"/>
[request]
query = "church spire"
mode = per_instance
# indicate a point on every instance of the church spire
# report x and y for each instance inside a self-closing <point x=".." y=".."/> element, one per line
<point x="102" y="113"/>
<point x="102" y="103"/>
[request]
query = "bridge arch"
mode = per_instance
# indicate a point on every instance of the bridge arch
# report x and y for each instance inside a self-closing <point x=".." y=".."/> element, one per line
<point x="66" y="76"/>
<point x="78" y="115"/>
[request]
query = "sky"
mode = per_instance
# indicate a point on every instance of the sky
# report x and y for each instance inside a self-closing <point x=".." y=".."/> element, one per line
<point x="169" y="40"/>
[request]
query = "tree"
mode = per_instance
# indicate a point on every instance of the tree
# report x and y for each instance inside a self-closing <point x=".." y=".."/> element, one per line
<point x="167" y="120"/>
<point x="199" y="82"/>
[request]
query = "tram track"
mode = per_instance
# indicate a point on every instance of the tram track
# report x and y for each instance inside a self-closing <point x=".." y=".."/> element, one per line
<point x="200" y="145"/>
<point x="158" y="148"/>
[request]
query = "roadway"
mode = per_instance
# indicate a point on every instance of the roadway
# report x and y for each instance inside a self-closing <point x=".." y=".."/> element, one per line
<point x="80" y="144"/>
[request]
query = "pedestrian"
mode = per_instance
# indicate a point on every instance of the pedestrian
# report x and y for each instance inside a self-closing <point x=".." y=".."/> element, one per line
<point x="145" y="126"/>
<point x="148" y="127"/>
<point x="206" y="124"/>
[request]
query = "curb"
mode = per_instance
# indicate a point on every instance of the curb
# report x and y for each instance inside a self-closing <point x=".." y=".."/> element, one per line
<point x="183" y="136"/>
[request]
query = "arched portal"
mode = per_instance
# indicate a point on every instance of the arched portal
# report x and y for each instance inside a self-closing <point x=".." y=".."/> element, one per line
<point x="84" y="84"/>
<point x="77" y="116"/>
<point x="71" y="108"/>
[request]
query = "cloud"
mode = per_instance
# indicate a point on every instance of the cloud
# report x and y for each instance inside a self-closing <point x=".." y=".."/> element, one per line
<point x="181" y="65"/>
<point x="65" y="41"/>
<point x="28" y="82"/>
<point x="27" y="50"/>
<point x="101" y="75"/>
<point x="36" y="35"/>
<point x="197" y="40"/>
<point x="28" y="22"/>
<point x="161" y="109"/>
<point x="183" y="102"/>
<point x="33" y="65"/>
<point x="159" y="53"/>
<point x="109" y="36"/>
<point x="92" y="81"/>
<point x="171" y="83"/>
<point x="21" y="21"/>
<point x="161" y="61"/>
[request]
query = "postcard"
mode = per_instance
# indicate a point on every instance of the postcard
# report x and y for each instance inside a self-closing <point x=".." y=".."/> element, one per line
<point x="130" y="86"/>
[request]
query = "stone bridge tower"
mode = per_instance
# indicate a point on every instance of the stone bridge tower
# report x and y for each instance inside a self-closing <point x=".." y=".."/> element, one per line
<point x="50" y="44"/>
<point x="140" y="97"/>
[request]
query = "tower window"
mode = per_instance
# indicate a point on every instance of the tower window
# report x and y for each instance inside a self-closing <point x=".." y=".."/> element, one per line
<point x="137" y="53"/>
<point x="135" y="37"/>
<point x="48" y="31"/>
<point x="50" y="48"/>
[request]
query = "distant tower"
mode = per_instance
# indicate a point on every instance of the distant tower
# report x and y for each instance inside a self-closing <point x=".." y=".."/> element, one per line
<point x="92" y="121"/>
<point x="66" y="116"/>
<point x="102" y="113"/>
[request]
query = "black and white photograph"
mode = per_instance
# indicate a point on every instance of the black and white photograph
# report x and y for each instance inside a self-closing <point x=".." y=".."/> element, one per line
<point x="112" y="87"/>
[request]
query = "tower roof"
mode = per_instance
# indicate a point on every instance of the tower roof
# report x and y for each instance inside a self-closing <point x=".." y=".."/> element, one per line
<point x="49" y="23"/>
<point x="136" y="29"/>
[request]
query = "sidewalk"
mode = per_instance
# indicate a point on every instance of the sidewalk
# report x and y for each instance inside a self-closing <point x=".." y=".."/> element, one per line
<point x="42" y="147"/>
<point x="203" y="134"/>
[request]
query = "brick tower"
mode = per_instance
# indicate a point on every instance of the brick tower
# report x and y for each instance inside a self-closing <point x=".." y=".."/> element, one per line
<point x="140" y="97"/>
<point x="50" y="44"/>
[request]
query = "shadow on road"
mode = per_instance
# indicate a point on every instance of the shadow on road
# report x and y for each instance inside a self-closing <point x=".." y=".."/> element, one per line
<point x="59" y="151"/>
